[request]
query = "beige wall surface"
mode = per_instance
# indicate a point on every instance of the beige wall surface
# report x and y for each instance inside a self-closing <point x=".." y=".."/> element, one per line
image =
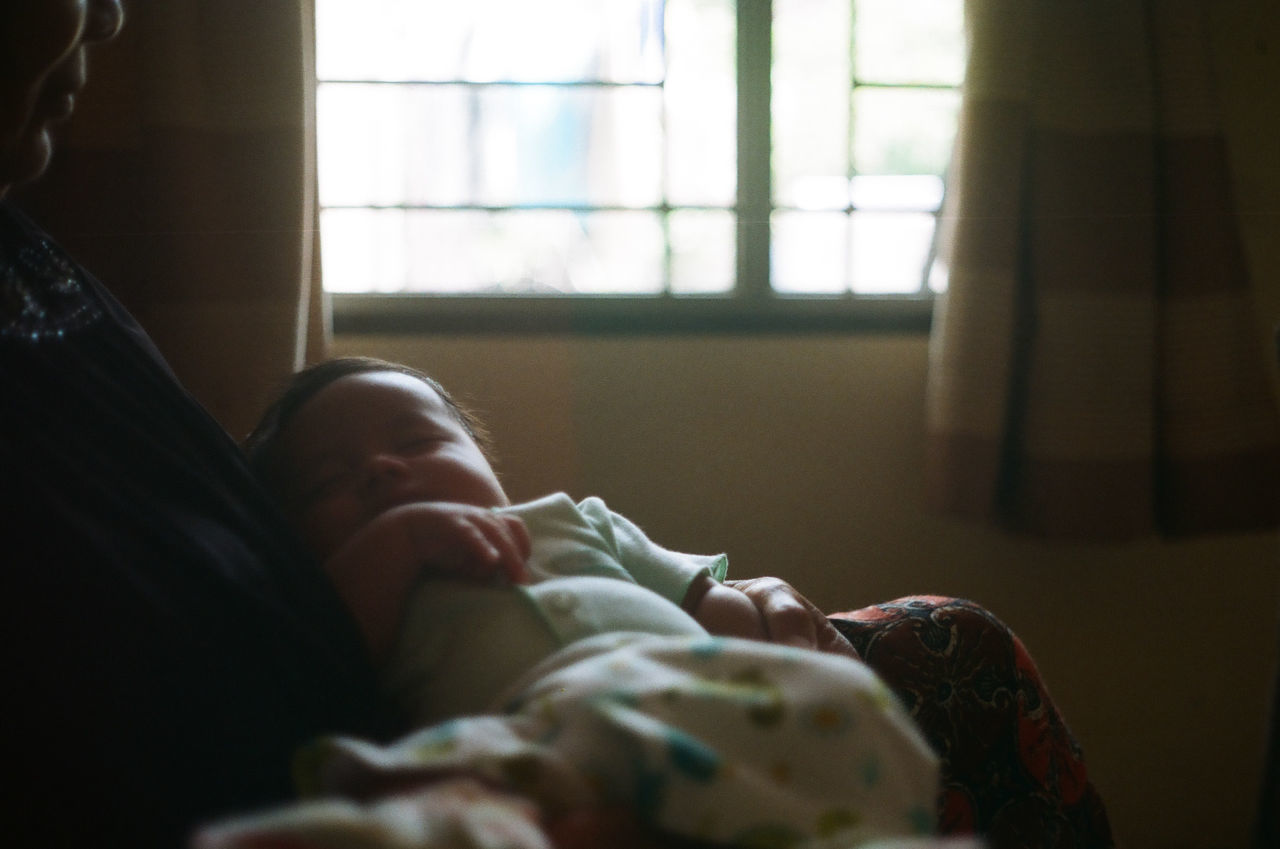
<point x="802" y="457"/>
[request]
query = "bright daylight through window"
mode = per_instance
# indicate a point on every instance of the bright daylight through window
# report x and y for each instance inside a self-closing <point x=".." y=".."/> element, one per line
<point x="686" y="150"/>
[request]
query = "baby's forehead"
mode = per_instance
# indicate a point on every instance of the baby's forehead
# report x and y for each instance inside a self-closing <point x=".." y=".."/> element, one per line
<point x="358" y="406"/>
<point x="380" y="390"/>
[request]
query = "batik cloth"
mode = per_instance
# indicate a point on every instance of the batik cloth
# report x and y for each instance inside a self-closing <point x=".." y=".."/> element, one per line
<point x="1011" y="770"/>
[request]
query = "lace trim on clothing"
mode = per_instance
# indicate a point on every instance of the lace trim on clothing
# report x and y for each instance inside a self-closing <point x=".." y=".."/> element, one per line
<point x="42" y="294"/>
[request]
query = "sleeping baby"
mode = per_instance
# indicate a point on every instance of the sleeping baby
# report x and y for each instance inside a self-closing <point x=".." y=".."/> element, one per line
<point x="554" y="651"/>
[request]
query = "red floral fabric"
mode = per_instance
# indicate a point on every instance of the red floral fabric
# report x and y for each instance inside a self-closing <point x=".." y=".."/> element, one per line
<point x="1011" y="771"/>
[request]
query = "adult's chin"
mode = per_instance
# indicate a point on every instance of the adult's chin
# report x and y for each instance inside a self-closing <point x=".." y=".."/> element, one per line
<point x="26" y="159"/>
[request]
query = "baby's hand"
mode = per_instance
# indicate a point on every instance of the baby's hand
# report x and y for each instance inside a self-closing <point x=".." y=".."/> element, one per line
<point x="450" y="540"/>
<point x="374" y="569"/>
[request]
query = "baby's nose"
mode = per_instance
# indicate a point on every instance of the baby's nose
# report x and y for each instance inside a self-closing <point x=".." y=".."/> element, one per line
<point x="381" y="467"/>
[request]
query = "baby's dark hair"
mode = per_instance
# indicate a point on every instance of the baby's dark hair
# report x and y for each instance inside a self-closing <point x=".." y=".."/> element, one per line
<point x="262" y="445"/>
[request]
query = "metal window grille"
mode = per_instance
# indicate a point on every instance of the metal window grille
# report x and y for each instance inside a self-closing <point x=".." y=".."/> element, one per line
<point x="771" y="215"/>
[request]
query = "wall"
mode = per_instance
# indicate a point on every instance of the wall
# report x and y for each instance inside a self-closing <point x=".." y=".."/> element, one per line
<point x="801" y="457"/>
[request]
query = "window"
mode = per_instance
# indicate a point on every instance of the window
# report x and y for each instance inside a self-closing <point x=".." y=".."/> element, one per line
<point x="633" y="163"/>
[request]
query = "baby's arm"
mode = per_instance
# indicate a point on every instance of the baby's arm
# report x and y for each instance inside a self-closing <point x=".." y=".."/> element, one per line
<point x="375" y="568"/>
<point x="723" y="611"/>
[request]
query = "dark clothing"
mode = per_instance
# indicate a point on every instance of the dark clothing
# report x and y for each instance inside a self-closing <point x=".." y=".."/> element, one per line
<point x="167" y="642"/>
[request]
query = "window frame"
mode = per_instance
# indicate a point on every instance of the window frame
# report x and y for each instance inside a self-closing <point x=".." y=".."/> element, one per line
<point x="752" y="306"/>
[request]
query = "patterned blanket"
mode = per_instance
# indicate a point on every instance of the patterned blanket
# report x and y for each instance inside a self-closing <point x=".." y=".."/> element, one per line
<point x="730" y="742"/>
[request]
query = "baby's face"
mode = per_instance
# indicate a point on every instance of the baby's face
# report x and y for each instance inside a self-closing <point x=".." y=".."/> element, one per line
<point x="369" y="442"/>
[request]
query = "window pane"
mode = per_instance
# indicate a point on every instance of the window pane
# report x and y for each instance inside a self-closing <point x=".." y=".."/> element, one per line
<point x="889" y="251"/>
<point x="468" y="251"/>
<point x="809" y="252"/>
<point x="381" y="144"/>
<point x="898" y="192"/>
<point x="910" y="41"/>
<point x="810" y="103"/>
<point x="616" y="253"/>
<point x="485" y="40"/>
<point x="701" y="104"/>
<point x="702" y="246"/>
<point x="362" y="250"/>
<point x="903" y="131"/>
<point x="548" y="145"/>
<point x="499" y="146"/>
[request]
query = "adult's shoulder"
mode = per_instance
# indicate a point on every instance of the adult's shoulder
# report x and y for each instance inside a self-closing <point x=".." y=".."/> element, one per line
<point x="47" y="297"/>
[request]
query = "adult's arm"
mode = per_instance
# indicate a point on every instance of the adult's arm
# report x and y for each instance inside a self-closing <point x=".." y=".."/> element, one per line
<point x="790" y="618"/>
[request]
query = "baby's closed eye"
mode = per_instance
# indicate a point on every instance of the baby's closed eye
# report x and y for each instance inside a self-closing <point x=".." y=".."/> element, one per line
<point x="416" y="444"/>
<point x="324" y="482"/>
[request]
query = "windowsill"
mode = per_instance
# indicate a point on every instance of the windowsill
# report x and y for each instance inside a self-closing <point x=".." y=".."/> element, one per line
<point x="628" y="315"/>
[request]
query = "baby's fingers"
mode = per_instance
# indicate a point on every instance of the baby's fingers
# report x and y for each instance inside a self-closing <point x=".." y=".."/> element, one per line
<point x="491" y="544"/>
<point x="511" y="539"/>
<point x="458" y="545"/>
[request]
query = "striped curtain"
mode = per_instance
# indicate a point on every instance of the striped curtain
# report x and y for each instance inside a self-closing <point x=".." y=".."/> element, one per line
<point x="186" y="182"/>
<point x="1096" y="366"/>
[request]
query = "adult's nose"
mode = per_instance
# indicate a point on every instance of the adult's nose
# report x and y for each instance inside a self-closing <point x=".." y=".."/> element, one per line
<point x="104" y="20"/>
